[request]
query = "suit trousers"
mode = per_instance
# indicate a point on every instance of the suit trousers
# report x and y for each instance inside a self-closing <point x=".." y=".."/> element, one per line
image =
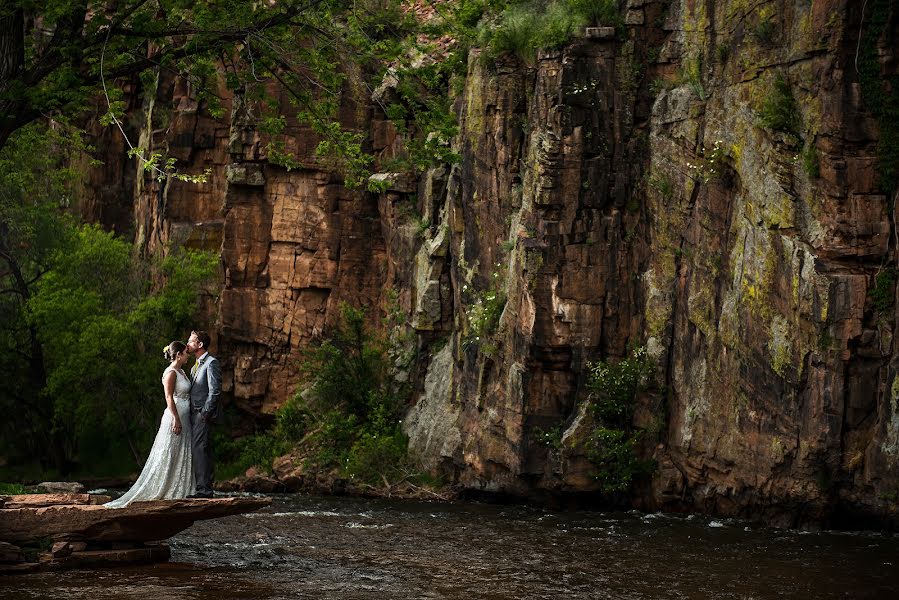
<point x="201" y="434"/>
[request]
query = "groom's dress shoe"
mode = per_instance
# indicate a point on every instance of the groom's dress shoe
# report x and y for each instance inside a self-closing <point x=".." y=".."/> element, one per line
<point x="199" y="495"/>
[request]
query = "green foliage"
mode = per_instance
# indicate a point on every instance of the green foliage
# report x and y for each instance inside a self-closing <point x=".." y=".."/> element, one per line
<point x="613" y="387"/>
<point x="613" y="453"/>
<point x="516" y="33"/>
<point x="882" y="294"/>
<point x="612" y="445"/>
<point x="353" y="404"/>
<point x="690" y="74"/>
<point x="551" y="438"/>
<point x="880" y="94"/>
<point x="348" y="368"/>
<point x="661" y="183"/>
<point x="722" y="52"/>
<point x="376" y="457"/>
<point x="810" y="161"/>
<point x="709" y="163"/>
<point x="74" y="300"/>
<point x="779" y="111"/>
<point x="322" y="55"/>
<point x="251" y="451"/>
<point x="484" y="312"/>
<point x="523" y="28"/>
<point x="13" y="489"/>
<point x="597" y="12"/>
<point x="764" y="30"/>
<point x="347" y="416"/>
<point x="292" y="420"/>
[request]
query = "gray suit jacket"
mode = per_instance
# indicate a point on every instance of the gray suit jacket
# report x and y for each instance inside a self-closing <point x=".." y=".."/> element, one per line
<point x="206" y="388"/>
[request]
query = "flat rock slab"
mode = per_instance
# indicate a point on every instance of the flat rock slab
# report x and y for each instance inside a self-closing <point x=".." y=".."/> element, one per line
<point x="150" y="521"/>
<point x="39" y="500"/>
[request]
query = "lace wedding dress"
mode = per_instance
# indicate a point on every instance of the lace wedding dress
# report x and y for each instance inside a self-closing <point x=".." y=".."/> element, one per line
<point x="168" y="472"/>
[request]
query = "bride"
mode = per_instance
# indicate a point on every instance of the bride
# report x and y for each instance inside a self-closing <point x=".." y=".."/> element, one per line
<point x="168" y="472"/>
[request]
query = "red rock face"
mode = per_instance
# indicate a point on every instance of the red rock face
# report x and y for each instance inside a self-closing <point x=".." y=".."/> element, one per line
<point x="605" y="212"/>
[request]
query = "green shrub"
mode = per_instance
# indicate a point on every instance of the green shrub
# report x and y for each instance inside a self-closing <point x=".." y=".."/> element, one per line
<point x="235" y="456"/>
<point x="596" y="12"/>
<point x="524" y="28"/>
<point x="722" y="52"/>
<point x="551" y="438"/>
<point x="484" y="313"/>
<point x="613" y="452"/>
<point x="347" y="420"/>
<point x="779" y="111"/>
<point x="661" y="183"/>
<point x="333" y="436"/>
<point x="376" y="458"/>
<point x="292" y="420"/>
<point x="764" y="30"/>
<point x="882" y="295"/>
<point x="346" y="368"/>
<point x="467" y="13"/>
<point x="516" y="33"/>
<point x="880" y="94"/>
<point x="613" y="387"/>
<point x="557" y="26"/>
<point x="810" y="162"/>
<point x="612" y="445"/>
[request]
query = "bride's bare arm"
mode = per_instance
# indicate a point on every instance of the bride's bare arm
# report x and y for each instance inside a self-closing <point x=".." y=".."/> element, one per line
<point x="168" y="385"/>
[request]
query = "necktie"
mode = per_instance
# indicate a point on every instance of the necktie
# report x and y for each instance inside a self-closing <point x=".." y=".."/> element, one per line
<point x="196" y="367"/>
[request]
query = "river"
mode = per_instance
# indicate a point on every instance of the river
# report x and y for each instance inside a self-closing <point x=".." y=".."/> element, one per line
<point x="333" y="547"/>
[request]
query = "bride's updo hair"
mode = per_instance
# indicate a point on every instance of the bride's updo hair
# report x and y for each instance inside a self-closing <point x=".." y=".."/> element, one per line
<point x="173" y="350"/>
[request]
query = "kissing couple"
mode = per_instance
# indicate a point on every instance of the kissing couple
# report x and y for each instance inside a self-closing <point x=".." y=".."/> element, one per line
<point x="180" y="462"/>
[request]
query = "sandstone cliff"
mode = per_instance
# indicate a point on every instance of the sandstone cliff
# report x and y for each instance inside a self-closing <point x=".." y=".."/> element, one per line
<point x="622" y="191"/>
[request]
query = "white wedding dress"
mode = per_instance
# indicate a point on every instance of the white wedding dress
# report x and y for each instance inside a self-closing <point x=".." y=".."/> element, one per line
<point x="168" y="472"/>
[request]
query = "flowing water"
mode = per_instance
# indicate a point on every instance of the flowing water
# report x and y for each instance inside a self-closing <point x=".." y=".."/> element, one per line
<point x="313" y="547"/>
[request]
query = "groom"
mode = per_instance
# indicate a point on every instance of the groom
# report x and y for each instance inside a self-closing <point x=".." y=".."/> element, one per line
<point x="205" y="389"/>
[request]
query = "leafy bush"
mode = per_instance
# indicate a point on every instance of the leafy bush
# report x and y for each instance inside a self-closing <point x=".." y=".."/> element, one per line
<point x="596" y="12"/>
<point x="882" y="295"/>
<point x="557" y="26"/>
<point x="613" y="387"/>
<point x="516" y="33"/>
<point x="810" y="161"/>
<point x="292" y="420"/>
<point x="612" y="445"/>
<point x="347" y="419"/>
<point x="375" y="458"/>
<point x="524" y="28"/>
<point x="613" y="452"/>
<point x="764" y="30"/>
<point x="347" y="368"/>
<point x="779" y="111"/>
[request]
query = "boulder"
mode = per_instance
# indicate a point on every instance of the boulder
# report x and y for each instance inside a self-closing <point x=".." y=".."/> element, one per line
<point x="253" y="481"/>
<point x="10" y="553"/>
<point x="139" y="522"/>
<point x="61" y="487"/>
<point x="290" y="472"/>
<point x="61" y="550"/>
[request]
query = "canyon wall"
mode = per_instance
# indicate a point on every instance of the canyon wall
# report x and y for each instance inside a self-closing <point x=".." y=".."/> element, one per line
<point x="622" y="191"/>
